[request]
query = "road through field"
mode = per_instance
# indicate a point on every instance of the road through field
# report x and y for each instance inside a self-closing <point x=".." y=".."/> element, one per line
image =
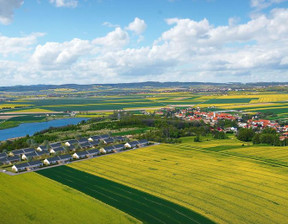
<point x="141" y="205"/>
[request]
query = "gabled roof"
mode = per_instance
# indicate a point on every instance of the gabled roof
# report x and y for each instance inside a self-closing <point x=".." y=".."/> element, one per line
<point x="82" y="153"/>
<point x="83" y="140"/>
<point x="119" y="138"/>
<point x="63" y="157"/>
<point x="93" y="151"/>
<point x="59" y="149"/>
<point x="107" y="148"/>
<point x="133" y="143"/>
<point x="104" y="136"/>
<point x="22" y="165"/>
<point x="3" y="155"/>
<point x="95" y="137"/>
<point x="17" y="152"/>
<point x="119" y="146"/>
<point x="35" y="163"/>
<point x="143" y="141"/>
<point x="109" y="140"/>
<point x="28" y="150"/>
<point x="94" y="143"/>
<point x="53" y="159"/>
<point x="13" y="158"/>
<point x="31" y="154"/>
<point x="42" y="153"/>
<point x="72" y="141"/>
<point x="3" y="160"/>
<point x="85" y="144"/>
<point x="55" y="145"/>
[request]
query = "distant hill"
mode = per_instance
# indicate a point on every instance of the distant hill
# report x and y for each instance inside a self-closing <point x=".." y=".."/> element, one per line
<point x="135" y="85"/>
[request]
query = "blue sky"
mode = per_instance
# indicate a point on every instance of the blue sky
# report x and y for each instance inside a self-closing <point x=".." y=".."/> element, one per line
<point x="108" y="41"/>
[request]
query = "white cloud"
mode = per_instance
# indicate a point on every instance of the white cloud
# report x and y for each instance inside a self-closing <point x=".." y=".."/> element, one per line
<point x="65" y="3"/>
<point x="7" y="8"/>
<point x="188" y="51"/>
<point x="138" y="26"/>
<point x="17" y="45"/>
<point x="262" y="4"/>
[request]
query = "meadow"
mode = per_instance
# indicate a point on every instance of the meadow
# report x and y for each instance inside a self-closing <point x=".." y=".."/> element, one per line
<point x="221" y="185"/>
<point x="32" y="198"/>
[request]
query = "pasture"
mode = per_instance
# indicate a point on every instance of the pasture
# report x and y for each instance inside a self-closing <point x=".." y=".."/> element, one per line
<point x="32" y="198"/>
<point x="224" y="186"/>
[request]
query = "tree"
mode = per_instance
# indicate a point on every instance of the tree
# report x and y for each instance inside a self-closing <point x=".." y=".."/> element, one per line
<point x="245" y="134"/>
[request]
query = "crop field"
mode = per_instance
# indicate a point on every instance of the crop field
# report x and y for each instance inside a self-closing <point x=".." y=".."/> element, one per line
<point x="207" y="178"/>
<point x="31" y="198"/>
<point x="141" y="205"/>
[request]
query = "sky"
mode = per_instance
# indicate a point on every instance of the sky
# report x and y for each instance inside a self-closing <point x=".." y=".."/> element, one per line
<point x="120" y="41"/>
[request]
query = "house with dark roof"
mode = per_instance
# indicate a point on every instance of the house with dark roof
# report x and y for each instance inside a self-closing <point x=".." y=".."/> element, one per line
<point x="71" y="142"/>
<point x="64" y="158"/>
<point x="94" y="138"/>
<point x="142" y="143"/>
<point x="104" y="137"/>
<point x="17" y="152"/>
<point x="41" y="148"/>
<point x="27" y="166"/>
<point x="29" y="155"/>
<point x="13" y="159"/>
<point x="28" y="150"/>
<point x="56" y="145"/>
<point x="43" y="153"/>
<point x="85" y="145"/>
<point x="57" y="150"/>
<point x="93" y="152"/>
<point x="81" y="140"/>
<point x="119" y="139"/>
<point x="108" y="141"/>
<point x="94" y="143"/>
<point x="51" y="161"/>
<point x="119" y="147"/>
<point x="132" y="144"/>
<point x="109" y="149"/>
<point x="3" y="155"/>
<point x="80" y="155"/>
<point x="4" y="161"/>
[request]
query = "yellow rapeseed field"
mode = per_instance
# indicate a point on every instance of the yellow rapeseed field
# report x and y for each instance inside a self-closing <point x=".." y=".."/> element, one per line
<point x="223" y="187"/>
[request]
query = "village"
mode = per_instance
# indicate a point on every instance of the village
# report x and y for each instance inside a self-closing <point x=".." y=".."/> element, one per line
<point x="212" y="118"/>
<point x="61" y="153"/>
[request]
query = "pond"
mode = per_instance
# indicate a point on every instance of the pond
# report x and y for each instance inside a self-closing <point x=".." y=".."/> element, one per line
<point x="31" y="128"/>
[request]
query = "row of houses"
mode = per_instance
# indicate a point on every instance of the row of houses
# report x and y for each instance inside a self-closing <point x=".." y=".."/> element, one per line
<point x="57" y="148"/>
<point x="64" y="159"/>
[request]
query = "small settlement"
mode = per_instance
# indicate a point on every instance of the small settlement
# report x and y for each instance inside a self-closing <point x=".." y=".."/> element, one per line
<point x="212" y="118"/>
<point x="65" y="152"/>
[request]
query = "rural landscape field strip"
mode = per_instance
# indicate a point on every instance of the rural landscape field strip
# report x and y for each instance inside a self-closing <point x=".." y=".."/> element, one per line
<point x="253" y="190"/>
<point x="242" y="195"/>
<point x="32" y="199"/>
<point x="140" y="205"/>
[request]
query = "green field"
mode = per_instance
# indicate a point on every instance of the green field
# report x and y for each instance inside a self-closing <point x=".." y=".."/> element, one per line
<point x="31" y="198"/>
<point x="220" y="185"/>
<point x="141" y="205"/>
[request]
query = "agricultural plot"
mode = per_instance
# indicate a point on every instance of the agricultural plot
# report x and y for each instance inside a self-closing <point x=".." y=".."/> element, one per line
<point x="141" y="205"/>
<point x="225" y="188"/>
<point x="31" y="198"/>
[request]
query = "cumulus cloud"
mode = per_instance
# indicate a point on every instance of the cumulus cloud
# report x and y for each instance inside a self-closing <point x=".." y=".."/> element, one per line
<point x="17" y="45"/>
<point x="262" y="4"/>
<point x="65" y="3"/>
<point x="138" y="26"/>
<point x="7" y="8"/>
<point x="188" y="51"/>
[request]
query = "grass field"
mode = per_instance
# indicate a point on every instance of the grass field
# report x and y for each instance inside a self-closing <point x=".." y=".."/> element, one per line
<point x="31" y="198"/>
<point x="215" y="183"/>
<point x="141" y="205"/>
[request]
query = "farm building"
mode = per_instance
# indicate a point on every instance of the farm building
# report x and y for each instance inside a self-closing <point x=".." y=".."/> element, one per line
<point x="56" y="145"/>
<point x="93" y="152"/>
<point x="57" y="150"/>
<point x="27" y="166"/>
<point x="71" y="142"/>
<point x="80" y="155"/>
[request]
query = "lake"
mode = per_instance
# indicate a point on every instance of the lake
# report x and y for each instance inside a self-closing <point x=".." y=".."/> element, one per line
<point x="31" y="128"/>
